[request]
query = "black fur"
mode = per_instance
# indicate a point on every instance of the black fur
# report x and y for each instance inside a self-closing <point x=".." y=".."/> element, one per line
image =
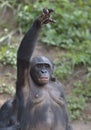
<point x="14" y="127"/>
<point x="8" y="115"/>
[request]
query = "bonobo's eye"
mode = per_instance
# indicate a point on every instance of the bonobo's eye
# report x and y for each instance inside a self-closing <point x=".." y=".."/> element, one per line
<point x="37" y="66"/>
<point x="47" y="66"/>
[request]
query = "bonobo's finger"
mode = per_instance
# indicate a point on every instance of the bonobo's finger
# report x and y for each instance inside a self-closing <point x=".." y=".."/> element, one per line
<point x="49" y="21"/>
<point x="41" y="16"/>
<point x="45" y="22"/>
<point x="51" y="10"/>
<point x="46" y="11"/>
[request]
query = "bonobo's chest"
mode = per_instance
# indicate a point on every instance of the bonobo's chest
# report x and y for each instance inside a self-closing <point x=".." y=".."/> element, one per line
<point x="50" y="93"/>
<point x="45" y="108"/>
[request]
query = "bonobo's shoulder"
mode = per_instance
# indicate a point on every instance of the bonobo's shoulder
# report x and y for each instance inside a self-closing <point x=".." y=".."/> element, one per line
<point x="54" y="80"/>
<point x="58" y="84"/>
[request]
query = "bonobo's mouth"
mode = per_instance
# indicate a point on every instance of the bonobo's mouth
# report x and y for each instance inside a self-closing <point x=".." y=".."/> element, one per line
<point x="43" y="79"/>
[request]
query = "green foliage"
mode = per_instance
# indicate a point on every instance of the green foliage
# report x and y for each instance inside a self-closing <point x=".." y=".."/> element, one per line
<point x="75" y="105"/>
<point x="81" y="94"/>
<point x="62" y="69"/>
<point x="72" y="26"/>
<point x="89" y="74"/>
<point x="83" y="89"/>
<point x="81" y="54"/>
<point x="7" y="38"/>
<point x="7" y="89"/>
<point x="68" y="60"/>
<point x="8" y="55"/>
<point x="73" y="57"/>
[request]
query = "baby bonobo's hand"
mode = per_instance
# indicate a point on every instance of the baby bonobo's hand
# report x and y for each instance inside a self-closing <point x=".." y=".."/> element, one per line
<point x="44" y="18"/>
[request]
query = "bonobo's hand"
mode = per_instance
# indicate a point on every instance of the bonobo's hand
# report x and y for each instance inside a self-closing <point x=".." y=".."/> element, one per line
<point x="44" y="18"/>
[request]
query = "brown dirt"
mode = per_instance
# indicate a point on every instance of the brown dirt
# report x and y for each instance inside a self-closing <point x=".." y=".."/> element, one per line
<point x="79" y="125"/>
<point x="4" y="97"/>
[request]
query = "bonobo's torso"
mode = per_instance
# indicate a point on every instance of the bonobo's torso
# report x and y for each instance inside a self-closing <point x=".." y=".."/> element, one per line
<point x="46" y="109"/>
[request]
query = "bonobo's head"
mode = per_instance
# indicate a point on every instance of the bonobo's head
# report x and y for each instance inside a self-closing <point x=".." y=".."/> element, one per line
<point x="41" y="70"/>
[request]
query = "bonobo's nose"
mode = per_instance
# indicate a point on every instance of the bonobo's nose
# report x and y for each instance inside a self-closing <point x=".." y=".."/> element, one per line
<point x="43" y="71"/>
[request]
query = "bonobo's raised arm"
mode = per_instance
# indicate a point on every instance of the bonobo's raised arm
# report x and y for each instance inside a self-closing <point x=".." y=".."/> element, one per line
<point x="28" y="44"/>
<point x="29" y="41"/>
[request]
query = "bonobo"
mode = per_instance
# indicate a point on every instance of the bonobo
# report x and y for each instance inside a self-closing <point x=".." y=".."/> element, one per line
<point x="42" y="104"/>
<point x="8" y="115"/>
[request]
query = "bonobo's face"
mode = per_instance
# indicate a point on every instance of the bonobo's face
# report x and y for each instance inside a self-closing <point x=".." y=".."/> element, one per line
<point x="41" y="70"/>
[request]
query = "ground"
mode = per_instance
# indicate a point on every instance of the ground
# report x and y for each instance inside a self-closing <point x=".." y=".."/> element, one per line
<point x="8" y="76"/>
